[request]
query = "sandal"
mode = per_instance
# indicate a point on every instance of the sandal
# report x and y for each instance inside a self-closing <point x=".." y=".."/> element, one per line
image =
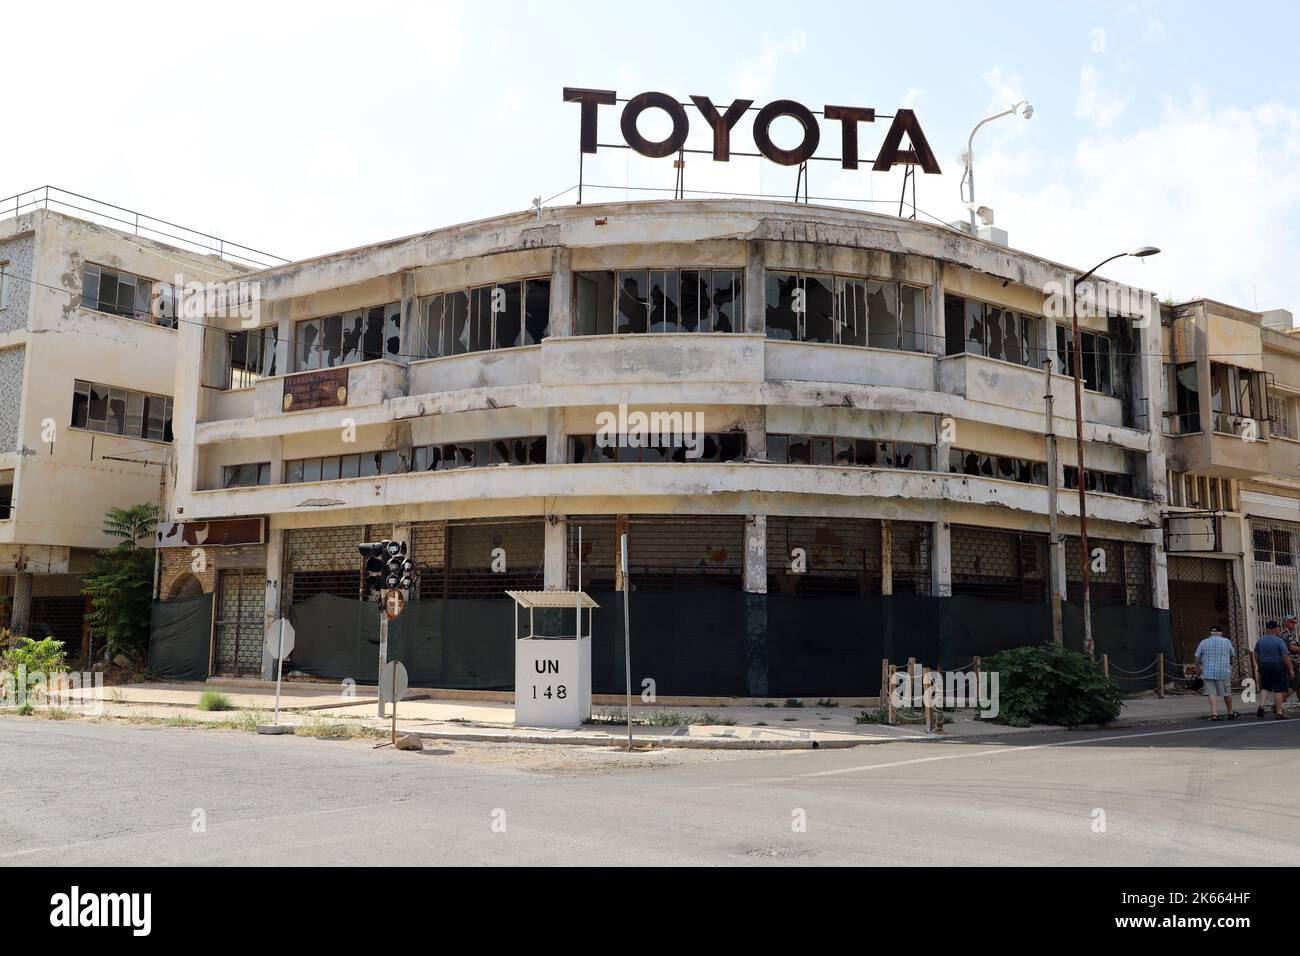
<point x="1234" y="715"/>
<point x="1215" y="717"/>
<point x="1281" y="717"/>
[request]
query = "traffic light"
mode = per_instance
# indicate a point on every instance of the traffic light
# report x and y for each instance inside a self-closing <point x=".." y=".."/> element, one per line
<point x="376" y="566"/>
<point x="386" y="566"/>
<point x="398" y="567"/>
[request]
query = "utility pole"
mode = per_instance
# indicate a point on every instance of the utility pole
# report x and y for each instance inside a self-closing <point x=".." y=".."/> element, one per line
<point x="1084" y="560"/>
<point x="1053" y="534"/>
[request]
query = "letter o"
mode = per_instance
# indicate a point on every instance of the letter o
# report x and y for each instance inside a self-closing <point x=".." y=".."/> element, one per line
<point x="812" y="133"/>
<point x="639" y="104"/>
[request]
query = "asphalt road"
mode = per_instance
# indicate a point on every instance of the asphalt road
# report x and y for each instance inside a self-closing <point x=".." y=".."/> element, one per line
<point x="95" y="793"/>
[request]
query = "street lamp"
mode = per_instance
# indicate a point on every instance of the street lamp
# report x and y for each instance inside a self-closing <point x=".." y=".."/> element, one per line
<point x="968" y="158"/>
<point x="1139" y="253"/>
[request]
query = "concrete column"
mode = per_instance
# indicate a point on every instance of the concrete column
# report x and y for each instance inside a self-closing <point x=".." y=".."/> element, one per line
<point x="410" y="315"/>
<point x="756" y="554"/>
<point x="755" y="296"/>
<point x="941" y="559"/>
<point x="756" y="432"/>
<point x="562" y="322"/>
<point x="1159" y="568"/>
<point x="555" y="562"/>
<point x="277" y="459"/>
<point x="756" y="605"/>
<point x="557" y="439"/>
<point x="1062" y="582"/>
<point x="284" y="338"/>
<point x="935" y="340"/>
<point x="21" y="617"/>
<point x="274" y="592"/>
<point x="190" y="339"/>
<point x="886" y="557"/>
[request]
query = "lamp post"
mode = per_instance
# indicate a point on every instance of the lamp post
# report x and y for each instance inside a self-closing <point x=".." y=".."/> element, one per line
<point x="1140" y="253"/>
<point x="968" y="158"/>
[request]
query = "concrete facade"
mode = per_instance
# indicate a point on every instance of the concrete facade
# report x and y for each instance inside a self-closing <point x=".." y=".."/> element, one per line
<point x="61" y="479"/>
<point x="743" y="382"/>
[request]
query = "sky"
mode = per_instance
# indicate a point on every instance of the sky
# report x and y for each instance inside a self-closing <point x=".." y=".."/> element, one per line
<point x="302" y="129"/>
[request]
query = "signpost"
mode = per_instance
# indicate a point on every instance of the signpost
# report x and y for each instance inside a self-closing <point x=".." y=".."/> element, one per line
<point x="279" y="643"/>
<point x="393" y="686"/>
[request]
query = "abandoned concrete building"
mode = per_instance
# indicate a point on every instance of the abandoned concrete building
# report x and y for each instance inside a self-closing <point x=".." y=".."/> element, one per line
<point x="854" y="464"/>
<point x="87" y="371"/>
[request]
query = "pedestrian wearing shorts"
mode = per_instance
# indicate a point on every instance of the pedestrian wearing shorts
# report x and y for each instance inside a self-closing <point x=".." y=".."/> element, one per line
<point x="1215" y="655"/>
<point x="1275" y="670"/>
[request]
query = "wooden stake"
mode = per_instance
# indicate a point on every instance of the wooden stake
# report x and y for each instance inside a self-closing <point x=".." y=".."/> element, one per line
<point x="1160" y="675"/>
<point x="925" y="699"/>
<point x="978" y="702"/>
<point x="893" y="714"/>
<point x="1105" y="664"/>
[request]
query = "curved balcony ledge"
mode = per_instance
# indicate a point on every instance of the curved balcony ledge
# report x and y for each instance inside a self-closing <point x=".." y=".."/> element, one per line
<point x="616" y="480"/>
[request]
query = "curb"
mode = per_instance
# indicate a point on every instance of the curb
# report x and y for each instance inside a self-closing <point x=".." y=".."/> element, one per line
<point x="693" y="743"/>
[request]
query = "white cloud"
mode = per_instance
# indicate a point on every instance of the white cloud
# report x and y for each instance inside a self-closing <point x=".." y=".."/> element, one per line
<point x="1216" y="187"/>
<point x="752" y="79"/>
<point x="1098" y="102"/>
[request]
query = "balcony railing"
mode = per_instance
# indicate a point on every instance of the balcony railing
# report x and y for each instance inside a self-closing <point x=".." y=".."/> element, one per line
<point x="137" y="223"/>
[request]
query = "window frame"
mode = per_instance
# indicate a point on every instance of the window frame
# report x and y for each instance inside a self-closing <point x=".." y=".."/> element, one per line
<point x="134" y="313"/>
<point x="124" y="397"/>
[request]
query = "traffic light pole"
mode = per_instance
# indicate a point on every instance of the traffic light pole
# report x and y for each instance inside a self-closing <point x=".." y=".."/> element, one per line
<point x="387" y="569"/>
<point x="383" y="650"/>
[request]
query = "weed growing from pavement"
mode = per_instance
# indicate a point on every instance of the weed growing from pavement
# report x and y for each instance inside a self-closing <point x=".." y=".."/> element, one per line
<point x="211" y="700"/>
<point x="792" y="702"/>
<point x="337" y="730"/>
<point x="661" y="718"/>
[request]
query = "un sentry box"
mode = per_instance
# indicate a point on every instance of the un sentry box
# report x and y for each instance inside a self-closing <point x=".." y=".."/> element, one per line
<point x="553" y="672"/>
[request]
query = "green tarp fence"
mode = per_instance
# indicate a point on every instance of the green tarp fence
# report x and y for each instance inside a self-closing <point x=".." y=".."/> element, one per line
<point x="717" y="641"/>
<point x="180" y="637"/>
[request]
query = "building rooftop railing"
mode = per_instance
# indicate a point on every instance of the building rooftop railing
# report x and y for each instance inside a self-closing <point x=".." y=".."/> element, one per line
<point x="137" y="223"/>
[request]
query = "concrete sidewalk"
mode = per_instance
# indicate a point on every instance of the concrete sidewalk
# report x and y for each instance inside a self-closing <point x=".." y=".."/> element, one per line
<point x="428" y="714"/>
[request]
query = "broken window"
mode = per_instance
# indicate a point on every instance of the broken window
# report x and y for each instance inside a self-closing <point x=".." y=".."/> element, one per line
<point x="121" y="411"/>
<point x="246" y="476"/>
<point x="117" y="293"/>
<point x="819" y="309"/>
<point x="1003" y="467"/>
<point x="784" y="305"/>
<point x="250" y="356"/>
<point x="6" y="494"/>
<point x="857" y="452"/>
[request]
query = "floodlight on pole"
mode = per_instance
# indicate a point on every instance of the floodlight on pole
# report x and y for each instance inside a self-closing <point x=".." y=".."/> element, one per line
<point x="1141" y="252"/>
<point x="1022" y="109"/>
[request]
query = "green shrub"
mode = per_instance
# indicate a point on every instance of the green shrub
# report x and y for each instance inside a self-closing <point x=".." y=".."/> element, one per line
<point x="792" y="702"/>
<point x="211" y="700"/>
<point x="45" y="656"/>
<point x="1046" y="684"/>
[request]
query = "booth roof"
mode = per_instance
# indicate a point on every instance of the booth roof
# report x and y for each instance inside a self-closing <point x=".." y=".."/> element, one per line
<point x="552" y="599"/>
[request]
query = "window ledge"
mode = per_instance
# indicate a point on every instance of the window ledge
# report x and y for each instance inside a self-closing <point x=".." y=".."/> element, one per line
<point x="92" y="431"/>
<point x="113" y="315"/>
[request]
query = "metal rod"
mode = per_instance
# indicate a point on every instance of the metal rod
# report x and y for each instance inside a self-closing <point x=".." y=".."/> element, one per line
<point x="279" y="670"/>
<point x="627" y="639"/>
<point x="1079" y="470"/>
<point x="1053" y="532"/>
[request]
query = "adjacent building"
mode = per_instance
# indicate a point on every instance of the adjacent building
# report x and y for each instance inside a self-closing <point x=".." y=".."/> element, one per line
<point x="1231" y="384"/>
<point x="88" y="350"/>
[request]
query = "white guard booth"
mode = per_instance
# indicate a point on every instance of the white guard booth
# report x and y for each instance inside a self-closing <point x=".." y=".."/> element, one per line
<point x="552" y="671"/>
